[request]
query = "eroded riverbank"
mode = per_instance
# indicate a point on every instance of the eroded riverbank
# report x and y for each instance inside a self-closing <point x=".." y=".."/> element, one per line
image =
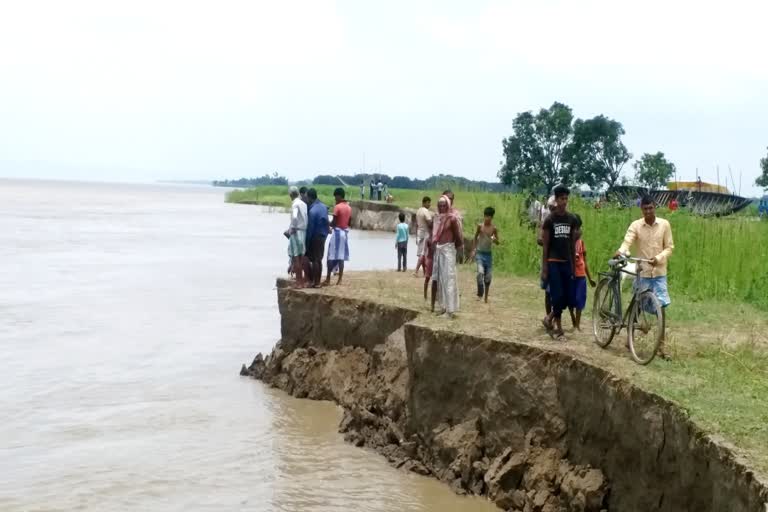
<point x="532" y="428"/>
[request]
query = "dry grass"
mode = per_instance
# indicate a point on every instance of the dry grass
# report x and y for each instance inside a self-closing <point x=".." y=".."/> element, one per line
<point x="719" y="370"/>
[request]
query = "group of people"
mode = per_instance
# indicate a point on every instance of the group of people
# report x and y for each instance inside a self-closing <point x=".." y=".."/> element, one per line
<point x="307" y="234"/>
<point x="440" y="243"/>
<point x="378" y="191"/>
<point x="440" y="246"/>
<point x="564" y="269"/>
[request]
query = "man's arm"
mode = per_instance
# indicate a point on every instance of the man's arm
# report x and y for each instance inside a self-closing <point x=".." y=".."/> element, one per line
<point x="495" y="235"/>
<point x="294" y="219"/>
<point x="458" y="237"/>
<point x="629" y="239"/>
<point x="668" y="244"/>
<point x="586" y="269"/>
<point x="333" y="220"/>
<point x="545" y="250"/>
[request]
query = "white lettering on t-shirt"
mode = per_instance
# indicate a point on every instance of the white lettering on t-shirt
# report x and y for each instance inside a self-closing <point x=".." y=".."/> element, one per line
<point x="562" y="230"/>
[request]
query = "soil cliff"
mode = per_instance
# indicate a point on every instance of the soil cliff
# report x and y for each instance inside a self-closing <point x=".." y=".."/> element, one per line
<point x="534" y="430"/>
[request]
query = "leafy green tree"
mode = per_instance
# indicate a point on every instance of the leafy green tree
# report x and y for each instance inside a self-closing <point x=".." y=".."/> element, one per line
<point x="653" y="171"/>
<point x="762" y="180"/>
<point x="534" y="153"/>
<point x="597" y="155"/>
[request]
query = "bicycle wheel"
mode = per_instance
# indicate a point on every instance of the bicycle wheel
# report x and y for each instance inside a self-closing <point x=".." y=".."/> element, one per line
<point x="646" y="327"/>
<point x="604" y="317"/>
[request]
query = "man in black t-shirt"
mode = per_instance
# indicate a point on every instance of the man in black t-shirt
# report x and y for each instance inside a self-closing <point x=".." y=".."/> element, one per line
<point x="558" y="259"/>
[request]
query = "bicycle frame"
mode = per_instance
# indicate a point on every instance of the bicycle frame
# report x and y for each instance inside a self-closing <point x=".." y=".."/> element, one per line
<point x="614" y="275"/>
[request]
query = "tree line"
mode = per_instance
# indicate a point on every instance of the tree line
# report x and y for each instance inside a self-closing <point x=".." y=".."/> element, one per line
<point x="267" y="179"/>
<point x="551" y="147"/>
<point x="434" y="182"/>
<point x="439" y="181"/>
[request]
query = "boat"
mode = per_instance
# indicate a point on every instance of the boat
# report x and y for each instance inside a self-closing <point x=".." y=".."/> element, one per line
<point x="698" y="197"/>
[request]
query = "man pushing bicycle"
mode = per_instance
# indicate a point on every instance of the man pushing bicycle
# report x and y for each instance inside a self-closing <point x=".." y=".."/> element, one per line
<point x="651" y="238"/>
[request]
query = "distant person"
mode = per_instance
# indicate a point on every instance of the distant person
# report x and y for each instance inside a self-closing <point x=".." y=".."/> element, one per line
<point x="317" y="232"/>
<point x="534" y="212"/>
<point x="303" y="195"/>
<point x="401" y="242"/>
<point x="379" y="189"/>
<point x="582" y="274"/>
<point x="673" y="205"/>
<point x="651" y="237"/>
<point x="448" y="240"/>
<point x="385" y="192"/>
<point x="338" y="247"/>
<point x="362" y="190"/>
<point x="373" y="190"/>
<point x="297" y="235"/>
<point x="486" y="236"/>
<point x="423" y="221"/>
<point x="558" y="260"/>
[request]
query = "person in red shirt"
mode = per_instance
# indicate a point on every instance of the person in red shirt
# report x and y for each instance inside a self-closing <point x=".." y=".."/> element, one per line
<point x="673" y="204"/>
<point x="338" y="247"/>
<point x="581" y="275"/>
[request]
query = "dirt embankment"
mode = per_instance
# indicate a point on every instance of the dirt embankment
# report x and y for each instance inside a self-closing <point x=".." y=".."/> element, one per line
<point x="372" y="216"/>
<point x="531" y="429"/>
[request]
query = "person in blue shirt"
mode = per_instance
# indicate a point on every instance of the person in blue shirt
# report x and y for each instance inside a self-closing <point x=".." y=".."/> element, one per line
<point x="401" y="242"/>
<point x="317" y="232"/>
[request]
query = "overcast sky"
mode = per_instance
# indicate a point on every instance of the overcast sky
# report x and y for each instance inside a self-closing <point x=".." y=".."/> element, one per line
<point x="147" y="90"/>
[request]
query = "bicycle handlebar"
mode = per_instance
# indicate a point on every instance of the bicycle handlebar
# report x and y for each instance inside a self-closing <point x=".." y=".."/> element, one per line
<point x="622" y="261"/>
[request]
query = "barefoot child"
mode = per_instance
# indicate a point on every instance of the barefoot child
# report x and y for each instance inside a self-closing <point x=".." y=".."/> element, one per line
<point x="485" y="236"/>
<point x="401" y="242"/>
<point x="582" y="274"/>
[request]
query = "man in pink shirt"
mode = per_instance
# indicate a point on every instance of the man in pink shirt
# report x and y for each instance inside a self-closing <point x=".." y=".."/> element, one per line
<point x="338" y="247"/>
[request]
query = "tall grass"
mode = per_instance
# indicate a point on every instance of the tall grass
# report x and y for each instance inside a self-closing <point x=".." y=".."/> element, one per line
<point x="715" y="259"/>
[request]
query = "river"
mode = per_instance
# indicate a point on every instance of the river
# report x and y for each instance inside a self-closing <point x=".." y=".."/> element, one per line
<point x="125" y="313"/>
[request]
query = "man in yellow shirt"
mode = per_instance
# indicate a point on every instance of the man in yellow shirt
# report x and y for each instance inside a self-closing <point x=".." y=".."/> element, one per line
<point x="651" y="238"/>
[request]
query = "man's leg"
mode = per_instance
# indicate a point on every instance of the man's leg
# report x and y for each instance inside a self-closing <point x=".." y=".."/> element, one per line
<point x="330" y="268"/>
<point x="434" y="294"/>
<point x="341" y="271"/>
<point x="480" y="276"/>
<point x="405" y="256"/>
<point x="556" y="295"/>
<point x="318" y="248"/>
<point x="299" y="271"/>
<point x="488" y="277"/>
<point x="426" y="285"/>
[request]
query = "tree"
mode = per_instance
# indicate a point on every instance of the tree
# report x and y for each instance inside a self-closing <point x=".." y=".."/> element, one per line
<point x="653" y="171"/>
<point x="534" y="154"/>
<point x="762" y="180"/>
<point x="597" y="155"/>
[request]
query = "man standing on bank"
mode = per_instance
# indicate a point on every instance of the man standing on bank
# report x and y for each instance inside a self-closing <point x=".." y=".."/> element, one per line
<point x="558" y="260"/>
<point x="652" y="239"/>
<point x="297" y="235"/>
<point x="448" y="240"/>
<point x="338" y="247"/>
<point x="317" y="232"/>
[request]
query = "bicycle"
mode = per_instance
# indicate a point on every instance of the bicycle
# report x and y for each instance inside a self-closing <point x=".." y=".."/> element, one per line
<point x="643" y="319"/>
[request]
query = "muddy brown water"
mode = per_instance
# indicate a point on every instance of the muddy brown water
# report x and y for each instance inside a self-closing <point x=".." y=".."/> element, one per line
<point x="125" y="313"/>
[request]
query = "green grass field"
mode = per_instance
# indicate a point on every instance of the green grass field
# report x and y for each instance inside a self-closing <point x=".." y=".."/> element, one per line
<point x="715" y="260"/>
